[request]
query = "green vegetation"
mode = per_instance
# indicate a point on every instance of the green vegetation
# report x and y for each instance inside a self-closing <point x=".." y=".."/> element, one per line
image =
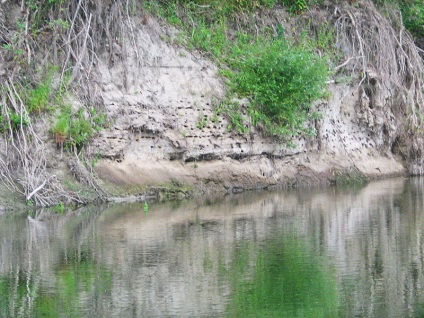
<point x="296" y="6"/>
<point x="72" y="130"/>
<point x="80" y="130"/>
<point x="61" y="129"/>
<point x="202" y="121"/>
<point x="3" y="126"/>
<point x="349" y="178"/>
<point x="280" y="79"/>
<point x="75" y="130"/>
<point x="38" y="98"/>
<point x="17" y="120"/>
<point x="238" y="121"/>
<point x="413" y="17"/>
<point x="33" y="91"/>
<point x="59" y="208"/>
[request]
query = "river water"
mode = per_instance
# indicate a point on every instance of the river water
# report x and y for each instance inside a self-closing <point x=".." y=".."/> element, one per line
<point x="327" y="252"/>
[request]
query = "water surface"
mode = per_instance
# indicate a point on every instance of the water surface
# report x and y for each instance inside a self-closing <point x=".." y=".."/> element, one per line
<point x="332" y="252"/>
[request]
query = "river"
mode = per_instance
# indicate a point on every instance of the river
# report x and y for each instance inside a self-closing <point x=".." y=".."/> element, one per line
<point x="325" y="252"/>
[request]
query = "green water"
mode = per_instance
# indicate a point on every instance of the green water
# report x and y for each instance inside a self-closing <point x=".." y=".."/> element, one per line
<point x="332" y="252"/>
<point x="288" y="280"/>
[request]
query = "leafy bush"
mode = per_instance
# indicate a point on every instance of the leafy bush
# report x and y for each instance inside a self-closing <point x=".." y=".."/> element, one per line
<point x="282" y="82"/>
<point x="296" y="6"/>
<point x="74" y="130"/>
<point x="61" y="129"/>
<point x="38" y="98"/>
<point x="80" y="130"/>
<point x="413" y="16"/>
<point x="59" y="208"/>
<point x="17" y="120"/>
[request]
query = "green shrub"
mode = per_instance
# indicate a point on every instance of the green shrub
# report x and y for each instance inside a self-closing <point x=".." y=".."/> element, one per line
<point x="296" y="6"/>
<point x="224" y="7"/>
<point x="73" y="131"/>
<point x="99" y="121"/>
<point x="39" y="97"/>
<point x="281" y="82"/>
<point x="61" y="129"/>
<point x="80" y="130"/>
<point x="59" y="208"/>
<point x="413" y="16"/>
<point x="238" y="121"/>
<point x="17" y="120"/>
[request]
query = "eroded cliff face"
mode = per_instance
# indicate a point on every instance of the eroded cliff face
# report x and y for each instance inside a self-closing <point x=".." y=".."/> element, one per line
<point x="162" y="99"/>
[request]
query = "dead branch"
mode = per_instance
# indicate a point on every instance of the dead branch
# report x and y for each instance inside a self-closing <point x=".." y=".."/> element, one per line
<point x="41" y="186"/>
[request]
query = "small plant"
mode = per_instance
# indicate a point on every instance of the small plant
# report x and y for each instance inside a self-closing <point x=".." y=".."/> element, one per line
<point x="61" y="129"/>
<point x="16" y="52"/>
<point x="296" y="6"/>
<point x="237" y="119"/>
<point x="59" y="208"/>
<point x="80" y="132"/>
<point x="73" y="131"/>
<point x="202" y="122"/>
<point x="17" y="120"/>
<point x="215" y="118"/>
<point x="38" y="98"/>
<point x="3" y="122"/>
<point x="100" y="122"/>
<point x="59" y="24"/>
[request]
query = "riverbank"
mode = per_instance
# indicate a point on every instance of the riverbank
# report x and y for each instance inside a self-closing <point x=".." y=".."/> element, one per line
<point x="231" y="176"/>
<point x="145" y="112"/>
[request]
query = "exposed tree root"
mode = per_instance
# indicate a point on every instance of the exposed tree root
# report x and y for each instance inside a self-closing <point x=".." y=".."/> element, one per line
<point x="70" y="34"/>
<point x="382" y="55"/>
<point x="23" y="170"/>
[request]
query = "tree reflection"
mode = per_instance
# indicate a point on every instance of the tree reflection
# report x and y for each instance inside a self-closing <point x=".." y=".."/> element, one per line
<point x="77" y="282"/>
<point x="287" y="279"/>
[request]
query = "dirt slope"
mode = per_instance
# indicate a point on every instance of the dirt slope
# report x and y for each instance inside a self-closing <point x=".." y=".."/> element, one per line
<point x="158" y="95"/>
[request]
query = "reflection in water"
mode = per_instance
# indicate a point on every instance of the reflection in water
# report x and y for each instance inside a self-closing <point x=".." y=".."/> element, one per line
<point x="47" y="270"/>
<point x="288" y="279"/>
<point x="310" y="253"/>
